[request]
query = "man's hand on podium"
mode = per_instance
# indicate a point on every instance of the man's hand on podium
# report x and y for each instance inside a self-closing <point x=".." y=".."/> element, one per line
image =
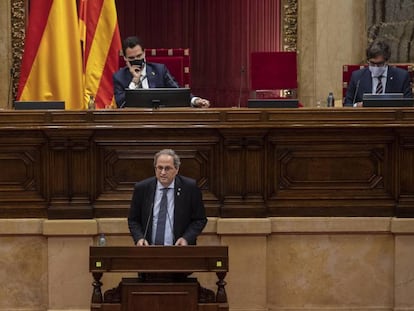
<point x="181" y="242"/>
<point x="142" y="242"/>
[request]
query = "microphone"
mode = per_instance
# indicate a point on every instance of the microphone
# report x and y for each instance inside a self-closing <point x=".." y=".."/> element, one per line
<point x="356" y="91"/>
<point x="241" y="85"/>
<point x="171" y="80"/>
<point x="11" y="87"/>
<point x="148" y="221"/>
<point x="357" y="87"/>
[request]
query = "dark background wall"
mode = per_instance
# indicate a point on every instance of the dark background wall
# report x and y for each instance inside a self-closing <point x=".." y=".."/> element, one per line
<point x="220" y="35"/>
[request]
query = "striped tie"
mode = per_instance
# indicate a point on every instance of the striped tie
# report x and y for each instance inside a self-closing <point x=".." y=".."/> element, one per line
<point x="162" y="217"/>
<point x="380" y="88"/>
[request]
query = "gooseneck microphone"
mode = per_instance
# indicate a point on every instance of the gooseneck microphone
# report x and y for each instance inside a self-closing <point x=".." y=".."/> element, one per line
<point x="241" y="85"/>
<point x="150" y="216"/>
<point x="356" y="91"/>
<point x="357" y="86"/>
<point x="171" y="80"/>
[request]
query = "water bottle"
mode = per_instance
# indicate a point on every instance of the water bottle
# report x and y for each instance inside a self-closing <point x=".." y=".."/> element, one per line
<point x="101" y="240"/>
<point x="91" y="102"/>
<point x="330" y="100"/>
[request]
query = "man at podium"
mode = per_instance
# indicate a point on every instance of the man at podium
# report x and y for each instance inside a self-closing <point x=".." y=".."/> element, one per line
<point x="166" y="209"/>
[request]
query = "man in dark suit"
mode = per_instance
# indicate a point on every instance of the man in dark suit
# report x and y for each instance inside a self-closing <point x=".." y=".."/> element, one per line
<point x="378" y="78"/>
<point x="139" y="74"/>
<point x="184" y="216"/>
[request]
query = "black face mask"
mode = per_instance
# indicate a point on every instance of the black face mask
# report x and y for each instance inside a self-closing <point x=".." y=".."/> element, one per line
<point x="137" y="62"/>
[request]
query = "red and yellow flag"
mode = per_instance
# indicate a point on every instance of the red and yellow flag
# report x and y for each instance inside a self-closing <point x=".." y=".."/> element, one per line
<point x="52" y="60"/>
<point x="99" y="30"/>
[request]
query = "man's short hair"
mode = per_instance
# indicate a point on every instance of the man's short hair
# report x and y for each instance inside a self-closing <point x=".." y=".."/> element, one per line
<point x="169" y="152"/>
<point x="379" y="48"/>
<point x="131" y="42"/>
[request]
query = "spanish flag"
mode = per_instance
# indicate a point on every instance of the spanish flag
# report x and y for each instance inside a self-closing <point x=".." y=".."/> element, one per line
<point x="99" y="30"/>
<point x="52" y="60"/>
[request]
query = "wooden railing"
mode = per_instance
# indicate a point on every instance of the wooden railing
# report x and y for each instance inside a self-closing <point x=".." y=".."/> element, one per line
<point x="248" y="162"/>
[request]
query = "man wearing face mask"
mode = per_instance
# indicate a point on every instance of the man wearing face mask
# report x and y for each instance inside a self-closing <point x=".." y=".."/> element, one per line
<point x="378" y="78"/>
<point x="139" y="74"/>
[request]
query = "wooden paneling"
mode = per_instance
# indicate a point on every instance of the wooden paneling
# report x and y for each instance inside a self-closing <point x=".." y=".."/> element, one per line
<point x="248" y="162"/>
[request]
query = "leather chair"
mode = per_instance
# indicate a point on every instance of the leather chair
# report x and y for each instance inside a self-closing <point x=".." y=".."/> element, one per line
<point x="273" y="74"/>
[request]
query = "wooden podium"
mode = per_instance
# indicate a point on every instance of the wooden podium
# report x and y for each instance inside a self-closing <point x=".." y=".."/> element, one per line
<point x="164" y="284"/>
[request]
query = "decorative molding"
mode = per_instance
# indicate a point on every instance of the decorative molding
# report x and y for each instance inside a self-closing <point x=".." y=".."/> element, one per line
<point x="18" y="33"/>
<point x="289" y="25"/>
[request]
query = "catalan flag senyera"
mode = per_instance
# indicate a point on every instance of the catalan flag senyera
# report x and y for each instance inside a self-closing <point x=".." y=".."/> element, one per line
<point x="52" y="61"/>
<point x="98" y="24"/>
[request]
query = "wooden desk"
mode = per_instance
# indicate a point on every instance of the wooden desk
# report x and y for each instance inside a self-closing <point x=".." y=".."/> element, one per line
<point x="248" y="162"/>
<point x="159" y="259"/>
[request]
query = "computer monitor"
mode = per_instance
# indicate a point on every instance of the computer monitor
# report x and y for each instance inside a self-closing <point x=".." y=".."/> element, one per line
<point x="384" y="95"/>
<point x="157" y="98"/>
<point x="387" y="100"/>
<point x="273" y="103"/>
<point x="39" y="105"/>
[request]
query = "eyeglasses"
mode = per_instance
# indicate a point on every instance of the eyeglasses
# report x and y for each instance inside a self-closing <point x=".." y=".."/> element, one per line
<point x="379" y="64"/>
<point x="166" y="169"/>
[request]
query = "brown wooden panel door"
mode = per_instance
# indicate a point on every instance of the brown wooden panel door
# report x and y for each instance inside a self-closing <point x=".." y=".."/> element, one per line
<point x="330" y="172"/>
<point x="405" y="207"/>
<point x="69" y="174"/>
<point x="243" y="173"/>
<point x="159" y="296"/>
<point x="23" y="167"/>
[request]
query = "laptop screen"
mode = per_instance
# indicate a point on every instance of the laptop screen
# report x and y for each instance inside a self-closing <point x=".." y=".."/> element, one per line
<point x="38" y="105"/>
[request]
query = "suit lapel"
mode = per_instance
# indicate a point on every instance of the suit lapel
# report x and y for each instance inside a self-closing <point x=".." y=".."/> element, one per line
<point x="177" y="194"/>
<point x="178" y="204"/>
<point x="367" y="80"/>
<point x="390" y="80"/>
<point x="151" y="76"/>
<point x="149" y="205"/>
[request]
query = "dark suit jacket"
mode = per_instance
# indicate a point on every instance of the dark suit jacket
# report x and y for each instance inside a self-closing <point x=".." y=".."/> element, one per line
<point x="189" y="212"/>
<point x="158" y="76"/>
<point x="398" y="81"/>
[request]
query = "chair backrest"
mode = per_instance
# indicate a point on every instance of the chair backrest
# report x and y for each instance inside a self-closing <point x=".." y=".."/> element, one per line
<point x="347" y="71"/>
<point x="176" y="60"/>
<point x="274" y="74"/>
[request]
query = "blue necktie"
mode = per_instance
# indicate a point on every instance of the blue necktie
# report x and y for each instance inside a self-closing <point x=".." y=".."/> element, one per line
<point x="162" y="217"/>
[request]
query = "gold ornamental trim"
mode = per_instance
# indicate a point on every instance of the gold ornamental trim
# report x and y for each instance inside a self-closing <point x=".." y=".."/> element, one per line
<point x="289" y="25"/>
<point x="18" y="33"/>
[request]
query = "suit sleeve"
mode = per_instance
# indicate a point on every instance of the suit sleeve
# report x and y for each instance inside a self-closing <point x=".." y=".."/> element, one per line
<point x="406" y="86"/>
<point x="350" y="92"/>
<point x="169" y="80"/>
<point x="119" y="89"/>
<point x="135" y="216"/>
<point x="198" y="217"/>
